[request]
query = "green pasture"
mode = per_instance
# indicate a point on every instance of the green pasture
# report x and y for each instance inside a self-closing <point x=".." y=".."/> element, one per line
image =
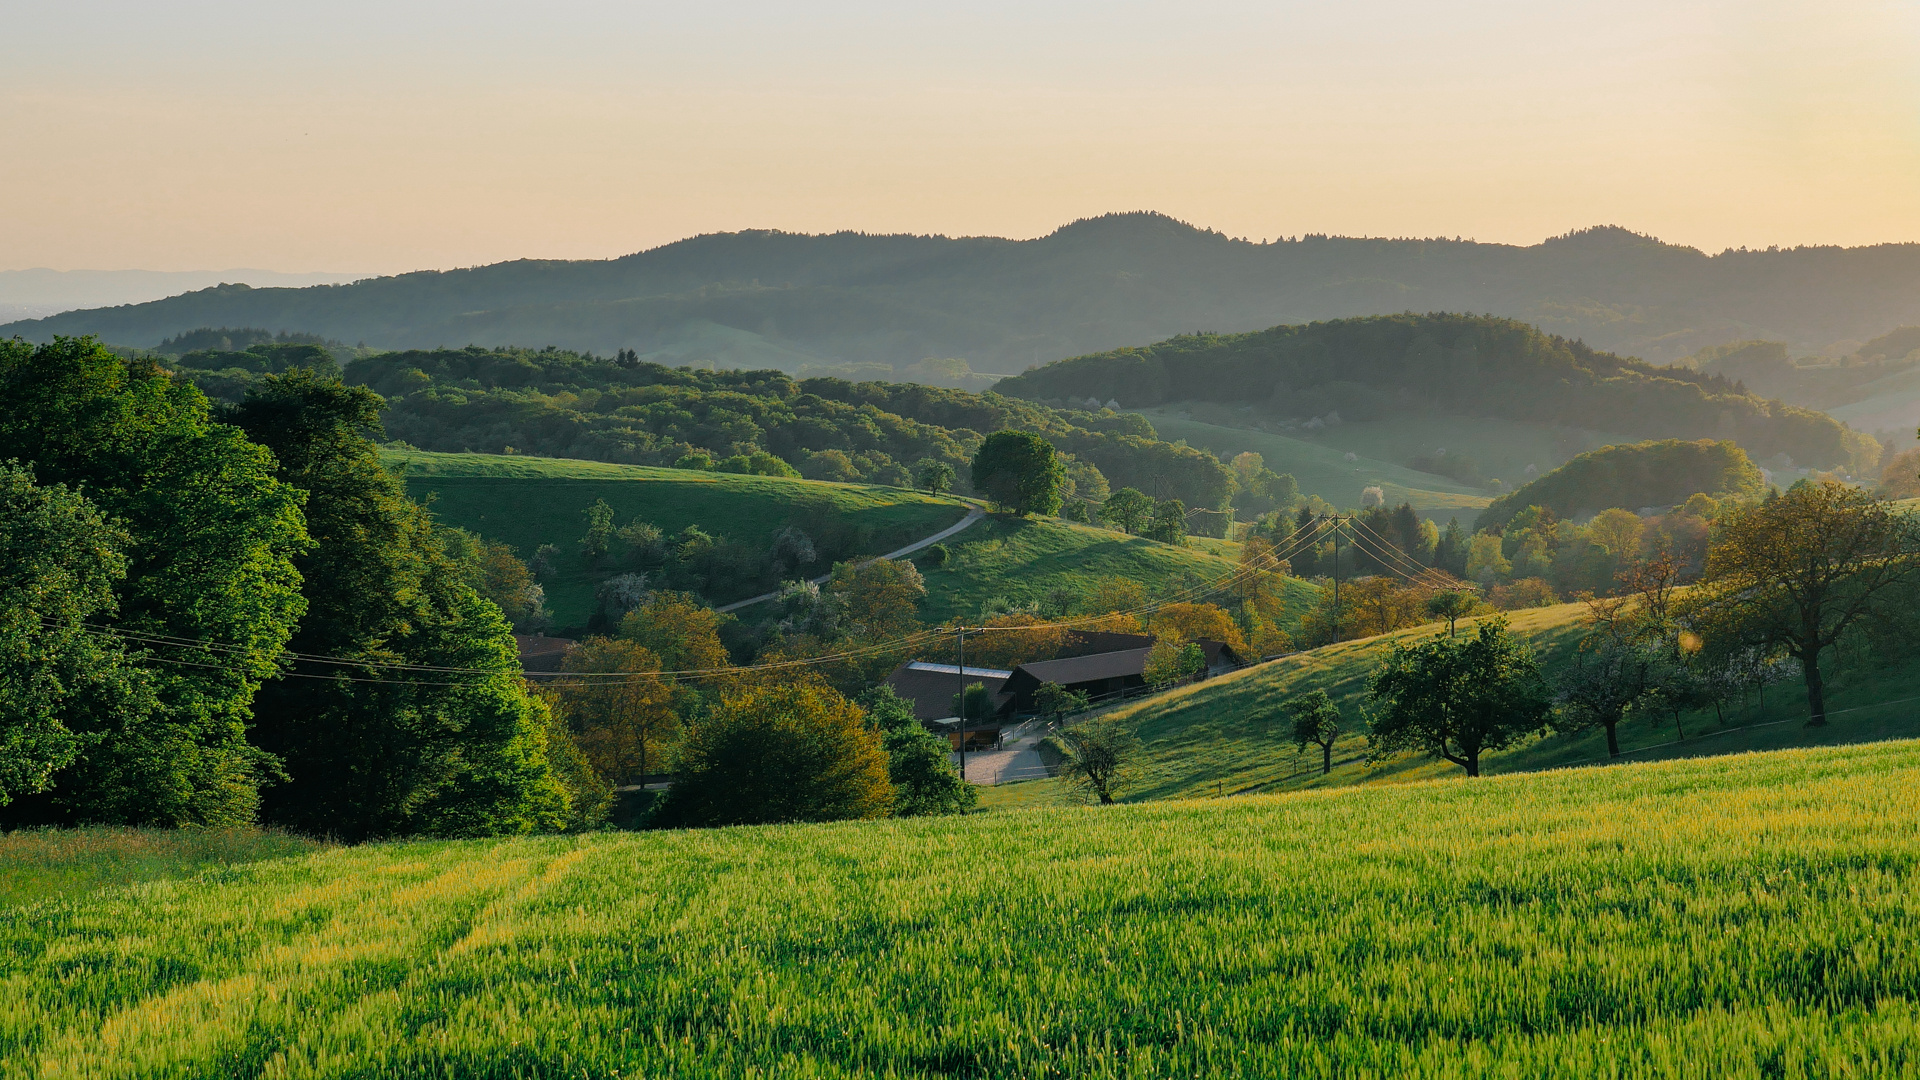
<point x="1228" y="736"/>
<point x="1320" y="467"/>
<point x="1026" y="559"/>
<point x="1753" y="916"/>
<point x="527" y="502"/>
<point x="1503" y="449"/>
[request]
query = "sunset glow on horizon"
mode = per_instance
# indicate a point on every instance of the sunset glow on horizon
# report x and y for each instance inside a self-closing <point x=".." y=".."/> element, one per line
<point x="387" y="137"/>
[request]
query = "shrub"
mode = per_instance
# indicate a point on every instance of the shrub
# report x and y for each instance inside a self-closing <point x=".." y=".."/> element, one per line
<point x="779" y="754"/>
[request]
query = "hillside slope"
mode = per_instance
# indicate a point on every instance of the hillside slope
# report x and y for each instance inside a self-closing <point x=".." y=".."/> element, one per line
<point x="1382" y="367"/>
<point x="752" y="299"/>
<point x="1230" y="735"/>
<point x="1654" y="473"/>
<point x="1741" y="917"/>
<point x="1026" y="560"/>
<point x="527" y="502"/>
<point x="530" y="501"/>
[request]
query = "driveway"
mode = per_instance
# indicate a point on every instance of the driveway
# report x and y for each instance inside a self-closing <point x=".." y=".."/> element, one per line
<point x="1019" y="758"/>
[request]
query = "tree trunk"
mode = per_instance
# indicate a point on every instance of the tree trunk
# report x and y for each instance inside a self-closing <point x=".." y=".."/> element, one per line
<point x="1105" y="799"/>
<point x="1473" y="763"/>
<point x="1613" y="741"/>
<point x="1326" y="758"/>
<point x="1816" y="693"/>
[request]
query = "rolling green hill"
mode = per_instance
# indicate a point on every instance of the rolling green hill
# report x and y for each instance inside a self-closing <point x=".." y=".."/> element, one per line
<point x="1387" y="367"/>
<point x="1662" y="473"/>
<point x="1740" y="917"/>
<point x="527" y="502"/>
<point x="1228" y="735"/>
<point x="1025" y="560"/>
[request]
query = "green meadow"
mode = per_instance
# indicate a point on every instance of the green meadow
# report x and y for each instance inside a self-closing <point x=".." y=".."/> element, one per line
<point x="1503" y="449"/>
<point x="527" y="502"/>
<point x="1025" y="560"/>
<point x="1752" y="916"/>
<point x="1229" y="735"/>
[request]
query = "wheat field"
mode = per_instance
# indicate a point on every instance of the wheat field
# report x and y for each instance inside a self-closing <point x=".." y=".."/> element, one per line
<point x="1747" y="916"/>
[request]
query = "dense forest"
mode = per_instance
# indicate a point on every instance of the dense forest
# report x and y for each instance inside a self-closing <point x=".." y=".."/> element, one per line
<point x="769" y="299"/>
<point x="1648" y="474"/>
<point x="563" y="404"/>
<point x="1378" y="367"/>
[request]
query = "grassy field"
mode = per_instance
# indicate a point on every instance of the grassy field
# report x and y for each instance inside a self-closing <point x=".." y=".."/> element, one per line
<point x="1026" y="559"/>
<point x="39" y="863"/>
<point x="527" y="502"/>
<point x="1321" y="468"/>
<point x="1503" y="448"/>
<point x="1742" y="917"/>
<point x="1228" y="736"/>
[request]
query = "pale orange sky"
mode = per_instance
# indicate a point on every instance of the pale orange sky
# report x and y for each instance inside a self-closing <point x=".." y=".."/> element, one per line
<point x="368" y="137"/>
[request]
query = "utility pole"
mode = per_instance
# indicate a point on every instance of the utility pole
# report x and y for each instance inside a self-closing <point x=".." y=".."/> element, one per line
<point x="1336" y="580"/>
<point x="960" y="640"/>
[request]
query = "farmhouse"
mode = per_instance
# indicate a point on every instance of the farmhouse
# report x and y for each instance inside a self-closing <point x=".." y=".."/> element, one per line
<point x="931" y="689"/>
<point x="1105" y="675"/>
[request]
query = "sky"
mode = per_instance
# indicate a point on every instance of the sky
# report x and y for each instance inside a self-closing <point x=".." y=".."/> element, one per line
<point x="356" y="136"/>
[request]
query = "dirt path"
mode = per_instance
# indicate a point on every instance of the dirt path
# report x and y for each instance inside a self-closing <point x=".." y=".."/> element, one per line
<point x="973" y="514"/>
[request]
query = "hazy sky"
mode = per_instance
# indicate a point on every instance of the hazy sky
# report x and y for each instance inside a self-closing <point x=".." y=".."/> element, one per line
<point x="360" y="136"/>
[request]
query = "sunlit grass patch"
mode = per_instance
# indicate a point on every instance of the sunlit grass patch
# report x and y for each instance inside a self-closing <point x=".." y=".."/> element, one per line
<point x="1744" y="916"/>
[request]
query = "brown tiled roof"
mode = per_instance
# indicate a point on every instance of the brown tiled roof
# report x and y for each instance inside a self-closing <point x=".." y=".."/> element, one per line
<point x="539" y="652"/>
<point x="931" y="686"/>
<point x="1080" y="669"/>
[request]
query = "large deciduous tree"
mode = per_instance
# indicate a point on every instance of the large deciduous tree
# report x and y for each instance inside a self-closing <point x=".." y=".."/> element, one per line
<point x="1019" y="472"/>
<point x="210" y="586"/>
<point x="919" y="763"/>
<point x="1458" y="697"/>
<point x="62" y="686"/>
<point x="371" y="747"/>
<point x="793" y="752"/>
<point x="1128" y="508"/>
<point x="1800" y="569"/>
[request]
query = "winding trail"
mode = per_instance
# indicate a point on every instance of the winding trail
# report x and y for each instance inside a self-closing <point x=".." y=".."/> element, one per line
<point x="973" y="514"/>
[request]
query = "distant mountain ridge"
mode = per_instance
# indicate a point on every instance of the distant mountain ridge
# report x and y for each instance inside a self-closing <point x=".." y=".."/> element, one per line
<point x="759" y="299"/>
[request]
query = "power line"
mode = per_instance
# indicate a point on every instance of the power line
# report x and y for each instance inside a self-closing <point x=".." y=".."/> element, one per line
<point x="285" y="656"/>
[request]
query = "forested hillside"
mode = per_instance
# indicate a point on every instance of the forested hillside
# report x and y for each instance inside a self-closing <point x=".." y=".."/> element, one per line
<point x="1374" y="368"/>
<point x="770" y="299"/>
<point x="562" y="404"/>
<point x="1649" y="474"/>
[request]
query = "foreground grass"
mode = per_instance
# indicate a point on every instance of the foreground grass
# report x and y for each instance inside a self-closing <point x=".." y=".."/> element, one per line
<point x="1229" y="736"/>
<point x="527" y="502"/>
<point x="1753" y="916"/>
<point x="36" y="864"/>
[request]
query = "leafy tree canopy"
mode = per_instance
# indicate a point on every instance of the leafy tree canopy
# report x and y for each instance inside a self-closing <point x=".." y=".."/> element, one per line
<point x="1659" y="473"/>
<point x="1020" y="472"/>
<point x="212" y="537"/>
<point x="798" y="752"/>
<point x="396" y="752"/>
<point x="1458" y="697"/>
